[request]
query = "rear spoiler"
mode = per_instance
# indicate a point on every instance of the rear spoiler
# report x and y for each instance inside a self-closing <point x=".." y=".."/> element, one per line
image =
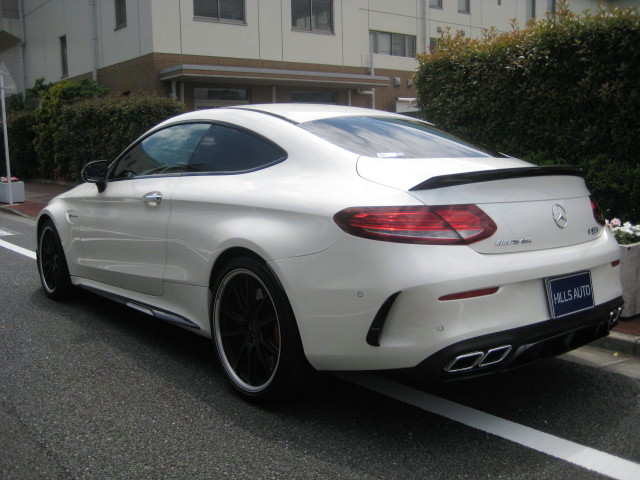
<point x="454" y="179"/>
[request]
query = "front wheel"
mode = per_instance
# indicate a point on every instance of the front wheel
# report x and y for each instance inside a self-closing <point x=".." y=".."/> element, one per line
<point x="255" y="333"/>
<point x="52" y="263"/>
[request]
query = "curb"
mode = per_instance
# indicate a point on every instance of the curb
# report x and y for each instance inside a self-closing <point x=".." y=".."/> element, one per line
<point x="620" y="342"/>
<point x="16" y="212"/>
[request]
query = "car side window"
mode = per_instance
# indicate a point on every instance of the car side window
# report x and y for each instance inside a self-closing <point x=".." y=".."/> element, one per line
<point x="226" y="149"/>
<point x="163" y="152"/>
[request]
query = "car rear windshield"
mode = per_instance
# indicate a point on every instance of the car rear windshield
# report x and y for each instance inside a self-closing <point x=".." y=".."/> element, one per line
<point x="390" y="137"/>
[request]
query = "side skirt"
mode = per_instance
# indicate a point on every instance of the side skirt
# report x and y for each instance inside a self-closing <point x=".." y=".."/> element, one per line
<point x="156" y="312"/>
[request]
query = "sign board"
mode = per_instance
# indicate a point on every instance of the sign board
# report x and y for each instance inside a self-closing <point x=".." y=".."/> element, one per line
<point x="10" y="85"/>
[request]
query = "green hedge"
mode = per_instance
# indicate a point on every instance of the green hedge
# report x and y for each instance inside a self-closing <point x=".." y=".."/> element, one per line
<point x="22" y="154"/>
<point x="103" y="128"/>
<point x="57" y="148"/>
<point x="564" y="90"/>
<point x="53" y="99"/>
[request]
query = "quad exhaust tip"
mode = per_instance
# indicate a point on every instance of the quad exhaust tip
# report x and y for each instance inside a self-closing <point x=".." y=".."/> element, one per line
<point x="614" y="316"/>
<point x="478" y="359"/>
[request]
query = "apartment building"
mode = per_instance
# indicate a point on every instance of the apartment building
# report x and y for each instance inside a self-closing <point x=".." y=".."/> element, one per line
<point x="211" y="53"/>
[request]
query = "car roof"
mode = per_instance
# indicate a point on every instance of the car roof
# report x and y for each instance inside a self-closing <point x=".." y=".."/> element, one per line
<point x="293" y="113"/>
<point x="306" y="112"/>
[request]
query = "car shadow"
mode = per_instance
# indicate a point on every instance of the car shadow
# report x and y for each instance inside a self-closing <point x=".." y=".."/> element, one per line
<point x="349" y="425"/>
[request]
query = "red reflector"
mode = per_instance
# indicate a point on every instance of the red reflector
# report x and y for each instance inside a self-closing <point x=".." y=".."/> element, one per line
<point x="615" y="263"/>
<point x="436" y="225"/>
<point x="470" y="294"/>
<point x="597" y="213"/>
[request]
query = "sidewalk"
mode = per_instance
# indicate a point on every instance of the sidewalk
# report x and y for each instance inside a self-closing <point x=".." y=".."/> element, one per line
<point x="625" y="337"/>
<point x="36" y="197"/>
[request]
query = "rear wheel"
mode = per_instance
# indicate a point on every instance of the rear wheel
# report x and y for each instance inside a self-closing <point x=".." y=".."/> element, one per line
<point x="52" y="263"/>
<point x="255" y="334"/>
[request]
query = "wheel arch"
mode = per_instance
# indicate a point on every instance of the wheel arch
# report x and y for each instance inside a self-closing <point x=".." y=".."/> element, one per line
<point x="238" y="252"/>
<point x="41" y="220"/>
<point x="227" y="256"/>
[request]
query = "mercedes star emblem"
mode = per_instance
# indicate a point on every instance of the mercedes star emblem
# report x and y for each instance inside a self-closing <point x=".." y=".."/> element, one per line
<point x="559" y="216"/>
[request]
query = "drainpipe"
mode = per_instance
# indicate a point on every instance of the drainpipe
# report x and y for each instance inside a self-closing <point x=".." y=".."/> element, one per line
<point x="372" y="92"/>
<point x="94" y="40"/>
<point x="425" y="40"/>
<point x="23" y="42"/>
<point x="372" y="72"/>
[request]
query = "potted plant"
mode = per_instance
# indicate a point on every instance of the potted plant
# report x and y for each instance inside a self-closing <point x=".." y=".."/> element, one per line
<point x="628" y="236"/>
<point x="16" y="186"/>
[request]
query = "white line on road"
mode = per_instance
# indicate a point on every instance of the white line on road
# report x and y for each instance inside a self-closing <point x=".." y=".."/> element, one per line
<point x="566" y="450"/>
<point x="4" y="232"/>
<point x="16" y="248"/>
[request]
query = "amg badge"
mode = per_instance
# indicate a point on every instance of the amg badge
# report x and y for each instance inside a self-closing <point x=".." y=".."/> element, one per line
<point x="515" y="241"/>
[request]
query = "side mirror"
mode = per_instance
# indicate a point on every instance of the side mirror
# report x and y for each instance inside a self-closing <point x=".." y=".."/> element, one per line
<point x="96" y="172"/>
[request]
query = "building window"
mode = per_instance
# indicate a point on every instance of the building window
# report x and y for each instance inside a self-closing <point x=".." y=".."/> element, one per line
<point x="435" y="3"/>
<point x="9" y="9"/>
<point x="464" y="6"/>
<point x="531" y="9"/>
<point x="433" y="44"/>
<point x="220" y="97"/>
<point x="63" y="56"/>
<point x="397" y="44"/>
<point x="315" y="97"/>
<point x="121" y="13"/>
<point x="551" y="7"/>
<point x="220" y="10"/>
<point x="313" y="15"/>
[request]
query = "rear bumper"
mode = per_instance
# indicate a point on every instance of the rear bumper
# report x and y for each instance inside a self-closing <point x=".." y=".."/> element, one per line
<point x="338" y="294"/>
<point x="526" y="344"/>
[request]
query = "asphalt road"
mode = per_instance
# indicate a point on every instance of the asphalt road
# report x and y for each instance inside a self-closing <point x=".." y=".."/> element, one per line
<point x="91" y="389"/>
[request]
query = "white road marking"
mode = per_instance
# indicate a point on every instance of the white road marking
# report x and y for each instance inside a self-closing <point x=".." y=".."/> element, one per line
<point x="4" y="232"/>
<point x="589" y="458"/>
<point x="20" y="250"/>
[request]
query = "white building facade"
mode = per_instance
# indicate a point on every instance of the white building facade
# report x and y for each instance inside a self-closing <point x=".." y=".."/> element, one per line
<point x="211" y="53"/>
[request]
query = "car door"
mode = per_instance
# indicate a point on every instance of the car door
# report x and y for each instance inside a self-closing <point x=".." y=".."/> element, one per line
<point x="216" y="199"/>
<point x="123" y="228"/>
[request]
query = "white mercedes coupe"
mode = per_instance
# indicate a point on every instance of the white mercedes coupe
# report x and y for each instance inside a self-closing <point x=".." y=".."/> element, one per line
<point x="311" y="237"/>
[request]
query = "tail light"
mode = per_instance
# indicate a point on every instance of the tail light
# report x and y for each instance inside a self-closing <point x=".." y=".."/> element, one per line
<point x="432" y="225"/>
<point x="597" y="213"/>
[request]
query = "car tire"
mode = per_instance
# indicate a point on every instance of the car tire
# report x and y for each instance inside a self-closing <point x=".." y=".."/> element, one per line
<point x="255" y="334"/>
<point x="52" y="263"/>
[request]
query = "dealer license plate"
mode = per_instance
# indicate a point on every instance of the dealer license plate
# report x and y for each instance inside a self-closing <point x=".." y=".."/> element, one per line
<point x="569" y="294"/>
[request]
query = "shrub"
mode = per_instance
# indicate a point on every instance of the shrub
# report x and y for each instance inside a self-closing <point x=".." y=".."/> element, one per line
<point x="72" y="126"/>
<point x="562" y="90"/>
<point x="24" y="163"/>
<point x="47" y="126"/>
<point x="102" y="128"/>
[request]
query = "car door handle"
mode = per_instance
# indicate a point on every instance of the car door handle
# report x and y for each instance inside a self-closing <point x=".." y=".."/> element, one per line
<point x="152" y="198"/>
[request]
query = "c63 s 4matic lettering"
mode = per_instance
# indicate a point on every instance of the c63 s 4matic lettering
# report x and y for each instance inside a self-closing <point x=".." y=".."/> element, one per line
<point x="310" y="237"/>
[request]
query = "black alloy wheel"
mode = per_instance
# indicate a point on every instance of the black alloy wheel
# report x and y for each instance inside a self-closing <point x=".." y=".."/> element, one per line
<point x="255" y="334"/>
<point x="52" y="263"/>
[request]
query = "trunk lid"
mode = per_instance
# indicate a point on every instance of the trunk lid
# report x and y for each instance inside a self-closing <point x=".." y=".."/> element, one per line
<point x="534" y="208"/>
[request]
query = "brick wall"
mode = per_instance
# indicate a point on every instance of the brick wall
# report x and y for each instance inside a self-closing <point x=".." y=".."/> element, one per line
<point x="143" y="74"/>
